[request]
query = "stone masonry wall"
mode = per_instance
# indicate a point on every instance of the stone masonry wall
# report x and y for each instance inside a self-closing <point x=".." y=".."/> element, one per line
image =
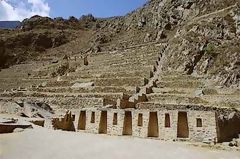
<point x="115" y="129"/>
<point x="92" y="127"/>
<point x="140" y="131"/>
<point x="207" y="129"/>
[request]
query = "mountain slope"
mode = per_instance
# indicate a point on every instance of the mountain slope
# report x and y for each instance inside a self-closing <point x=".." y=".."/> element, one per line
<point x="198" y="33"/>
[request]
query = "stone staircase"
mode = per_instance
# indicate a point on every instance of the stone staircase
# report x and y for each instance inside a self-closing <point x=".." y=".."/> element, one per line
<point x="148" y="84"/>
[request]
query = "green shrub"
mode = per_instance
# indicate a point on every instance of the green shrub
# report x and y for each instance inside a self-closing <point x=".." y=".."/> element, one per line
<point x="209" y="48"/>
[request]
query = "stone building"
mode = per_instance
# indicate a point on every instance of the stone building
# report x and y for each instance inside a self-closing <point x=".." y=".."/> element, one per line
<point x="165" y="122"/>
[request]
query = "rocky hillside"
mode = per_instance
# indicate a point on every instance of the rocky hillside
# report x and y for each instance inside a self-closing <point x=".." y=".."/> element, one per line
<point x="209" y="45"/>
<point x="202" y="37"/>
<point x="38" y="34"/>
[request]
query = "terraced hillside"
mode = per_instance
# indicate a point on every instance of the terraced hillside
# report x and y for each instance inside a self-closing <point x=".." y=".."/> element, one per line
<point x="181" y="89"/>
<point x="105" y="79"/>
<point x="167" y="52"/>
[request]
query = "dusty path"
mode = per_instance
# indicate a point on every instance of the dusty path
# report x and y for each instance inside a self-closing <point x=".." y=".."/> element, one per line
<point x="46" y="144"/>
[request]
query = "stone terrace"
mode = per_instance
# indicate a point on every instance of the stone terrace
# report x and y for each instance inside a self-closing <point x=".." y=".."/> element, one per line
<point x="186" y="89"/>
<point x="112" y="74"/>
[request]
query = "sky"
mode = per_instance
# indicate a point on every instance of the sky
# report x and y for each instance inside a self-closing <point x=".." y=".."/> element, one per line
<point x="21" y="9"/>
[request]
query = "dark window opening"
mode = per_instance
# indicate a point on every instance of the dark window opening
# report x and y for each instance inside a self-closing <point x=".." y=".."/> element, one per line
<point x="140" y="119"/>
<point x="115" y="119"/>
<point x="199" y="122"/>
<point x="93" y="117"/>
<point x="167" y="121"/>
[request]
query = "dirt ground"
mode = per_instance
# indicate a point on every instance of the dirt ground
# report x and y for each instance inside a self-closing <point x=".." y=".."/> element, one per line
<point x="40" y="143"/>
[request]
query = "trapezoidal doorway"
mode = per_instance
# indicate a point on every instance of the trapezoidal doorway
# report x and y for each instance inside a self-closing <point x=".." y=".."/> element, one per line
<point x="103" y="123"/>
<point x="182" y="127"/>
<point x="127" y="123"/>
<point x="153" y="125"/>
<point x="82" y="121"/>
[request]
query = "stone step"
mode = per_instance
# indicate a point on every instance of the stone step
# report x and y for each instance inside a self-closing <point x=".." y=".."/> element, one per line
<point x="127" y="62"/>
<point x="8" y="84"/>
<point x="123" y="81"/>
<point x="229" y="101"/>
<point x="56" y="83"/>
<point x="61" y="102"/>
<point x="172" y="76"/>
<point x="109" y="98"/>
<point x="180" y="84"/>
<point x="168" y="90"/>
<point x="146" y="68"/>
<point x="124" y="59"/>
<point x="131" y="81"/>
<point x="127" y="54"/>
<point x="175" y="99"/>
<point x="94" y="89"/>
<point x="19" y="71"/>
<point x="116" y="67"/>
<point x="133" y="73"/>
<point x="210" y="91"/>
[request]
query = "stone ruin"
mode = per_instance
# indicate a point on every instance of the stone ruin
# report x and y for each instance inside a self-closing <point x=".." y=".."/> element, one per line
<point x="10" y="125"/>
<point x="166" y="122"/>
<point x="65" y="123"/>
<point x="138" y="116"/>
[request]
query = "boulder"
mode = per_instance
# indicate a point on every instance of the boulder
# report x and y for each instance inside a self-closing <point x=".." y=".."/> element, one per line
<point x="147" y="38"/>
<point x="160" y="35"/>
<point x="44" y="84"/>
<point x="199" y="92"/>
<point x="18" y="130"/>
<point x="83" y="85"/>
<point x="233" y="143"/>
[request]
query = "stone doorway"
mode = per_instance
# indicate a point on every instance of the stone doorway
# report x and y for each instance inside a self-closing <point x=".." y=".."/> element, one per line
<point x="82" y="121"/>
<point x="182" y="127"/>
<point x="153" y="125"/>
<point x="103" y="123"/>
<point x="127" y="123"/>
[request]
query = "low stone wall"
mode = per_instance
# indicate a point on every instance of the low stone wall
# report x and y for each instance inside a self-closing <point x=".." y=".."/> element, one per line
<point x="59" y="102"/>
<point x="38" y="122"/>
<point x="75" y="102"/>
<point x="160" y="124"/>
<point x="66" y="123"/>
<point x="9" y="128"/>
